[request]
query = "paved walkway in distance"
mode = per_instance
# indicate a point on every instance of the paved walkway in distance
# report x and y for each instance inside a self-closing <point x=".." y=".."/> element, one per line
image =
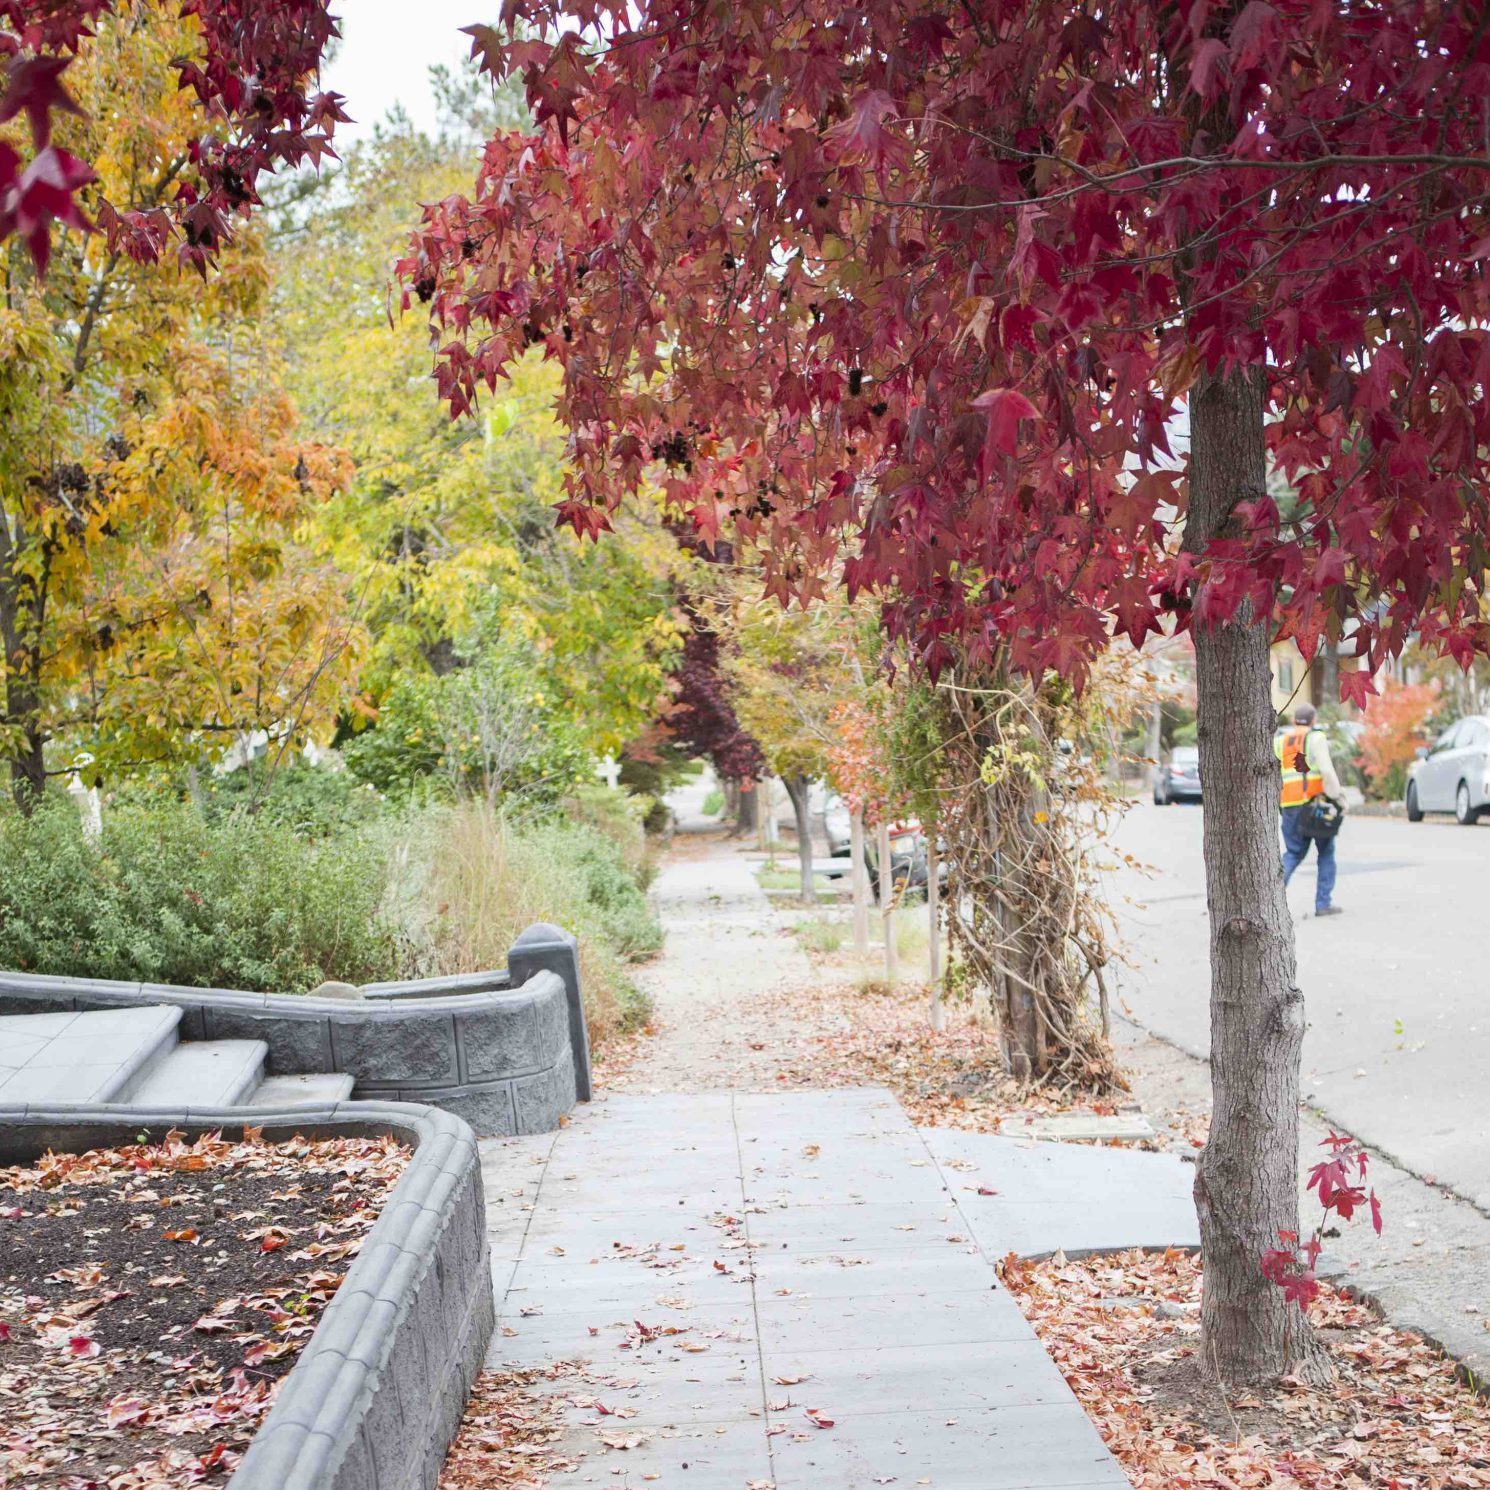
<point x="739" y="1269"/>
<point x="725" y="944"/>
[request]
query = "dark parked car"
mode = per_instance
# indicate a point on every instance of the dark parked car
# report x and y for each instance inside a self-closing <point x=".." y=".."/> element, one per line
<point x="910" y="864"/>
<point x="1178" y="778"/>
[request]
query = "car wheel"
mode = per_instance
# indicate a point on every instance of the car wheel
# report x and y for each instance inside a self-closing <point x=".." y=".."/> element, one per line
<point x="1414" y="812"/>
<point x="1465" y="815"/>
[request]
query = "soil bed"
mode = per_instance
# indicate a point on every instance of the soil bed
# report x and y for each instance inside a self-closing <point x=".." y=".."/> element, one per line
<point x="1125" y="1330"/>
<point x="152" y="1298"/>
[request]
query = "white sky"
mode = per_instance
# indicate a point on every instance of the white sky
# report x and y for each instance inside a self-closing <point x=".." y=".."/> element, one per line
<point x="387" y="49"/>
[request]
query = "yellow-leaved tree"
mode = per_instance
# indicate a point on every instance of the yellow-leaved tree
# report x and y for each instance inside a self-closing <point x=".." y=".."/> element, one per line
<point x="447" y="533"/>
<point x="156" y="598"/>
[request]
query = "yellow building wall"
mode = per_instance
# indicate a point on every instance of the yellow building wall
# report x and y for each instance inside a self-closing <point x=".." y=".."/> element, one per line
<point x="1290" y="676"/>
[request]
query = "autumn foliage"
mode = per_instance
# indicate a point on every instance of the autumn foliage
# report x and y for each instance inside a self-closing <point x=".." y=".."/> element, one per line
<point x="252" y="77"/>
<point x="931" y="291"/>
<point x="1395" y="727"/>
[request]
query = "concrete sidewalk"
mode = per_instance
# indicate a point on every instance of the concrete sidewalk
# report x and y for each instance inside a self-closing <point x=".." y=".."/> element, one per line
<point x="746" y="1269"/>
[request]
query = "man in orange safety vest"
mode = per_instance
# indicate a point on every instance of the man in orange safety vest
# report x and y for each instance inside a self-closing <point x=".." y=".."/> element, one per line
<point x="1308" y="772"/>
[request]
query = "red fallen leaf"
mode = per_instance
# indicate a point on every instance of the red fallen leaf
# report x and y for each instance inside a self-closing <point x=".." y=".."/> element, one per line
<point x="4" y="1331"/>
<point x="217" y="1460"/>
<point x="984" y="1190"/>
<point x="267" y="1350"/>
<point x="271" y="1244"/>
<point x="84" y="1348"/>
<point x="122" y="1412"/>
<point x="188" y="1234"/>
<point x="815" y="1416"/>
<point x="12" y="1212"/>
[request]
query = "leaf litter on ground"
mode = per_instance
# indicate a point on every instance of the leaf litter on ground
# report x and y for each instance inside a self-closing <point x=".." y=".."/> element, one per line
<point x="144" y="1326"/>
<point x="1124" y="1331"/>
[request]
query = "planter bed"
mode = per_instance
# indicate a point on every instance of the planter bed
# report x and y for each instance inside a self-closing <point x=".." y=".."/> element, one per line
<point x="155" y="1295"/>
<point x="285" y="1300"/>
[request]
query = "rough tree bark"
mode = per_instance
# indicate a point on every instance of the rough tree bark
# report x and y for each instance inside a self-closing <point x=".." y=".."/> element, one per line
<point x="798" y="789"/>
<point x="887" y="900"/>
<point x="21" y="616"/>
<point x="936" y="1013"/>
<point x="860" y="871"/>
<point x="745" y="819"/>
<point x="1246" y="1185"/>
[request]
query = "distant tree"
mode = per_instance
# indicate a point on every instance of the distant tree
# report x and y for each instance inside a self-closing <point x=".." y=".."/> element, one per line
<point x="445" y="533"/>
<point x="789" y="672"/>
<point x="702" y="714"/>
<point x="1396" y="725"/>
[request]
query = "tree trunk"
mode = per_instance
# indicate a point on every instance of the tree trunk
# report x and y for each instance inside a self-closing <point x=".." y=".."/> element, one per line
<point x="19" y="664"/>
<point x="797" y="788"/>
<point x="1246" y="1185"/>
<point x="887" y="903"/>
<point x="934" y="929"/>
<point x="765" y="814"/>
<point x="750" y="795"/>
<point x="860" y="873"/>
<point x="28" y="770"/>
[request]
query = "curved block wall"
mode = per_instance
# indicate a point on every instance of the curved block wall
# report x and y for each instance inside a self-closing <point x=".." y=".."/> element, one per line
<point x="506" y="1051"/>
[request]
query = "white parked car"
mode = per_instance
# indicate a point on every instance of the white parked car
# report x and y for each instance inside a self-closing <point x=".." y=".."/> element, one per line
<point x="836" y="826"/>
<point x="1454" y="776"/>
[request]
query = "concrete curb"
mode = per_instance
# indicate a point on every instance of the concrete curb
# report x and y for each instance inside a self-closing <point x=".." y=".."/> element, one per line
<point x="1463" y="1343"/>
<point x="377" y="1394"/>
<point x="506" y="1050"/>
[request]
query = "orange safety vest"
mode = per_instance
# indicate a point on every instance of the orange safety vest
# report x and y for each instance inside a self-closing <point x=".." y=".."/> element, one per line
<point x="1300" y="783"/>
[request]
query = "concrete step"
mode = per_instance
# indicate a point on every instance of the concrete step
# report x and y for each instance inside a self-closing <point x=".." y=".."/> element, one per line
<point x="96" y="1055"/>
<point x="287" y="1091"/>
<point x="202" y="1073"/>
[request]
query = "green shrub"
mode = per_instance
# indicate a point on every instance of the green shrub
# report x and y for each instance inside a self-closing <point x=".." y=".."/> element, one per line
<point x="314" y="801"/>
<point x="621" y="816"/>
<point x="165" y="896"/>
<point x="713" y="803"/>
<point x="486" y="730"/>
<point x="608" y="889"/>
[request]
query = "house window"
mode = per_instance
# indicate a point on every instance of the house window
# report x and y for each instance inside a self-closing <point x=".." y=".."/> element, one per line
<point x="1285" y="675"/>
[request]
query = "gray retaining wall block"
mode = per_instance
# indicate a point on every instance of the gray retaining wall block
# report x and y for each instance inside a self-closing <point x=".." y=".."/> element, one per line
<point x="508" y="1050"/>
<point x="547" y="947"/>
<point x="377" y="1394"/>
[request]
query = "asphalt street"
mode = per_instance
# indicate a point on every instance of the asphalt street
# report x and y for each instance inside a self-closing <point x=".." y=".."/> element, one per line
<point x="1398" y="1048"/>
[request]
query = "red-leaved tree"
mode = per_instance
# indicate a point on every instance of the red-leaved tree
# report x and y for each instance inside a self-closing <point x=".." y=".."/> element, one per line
<point x="254" y="78"/>
<point x="1010" y="309"/>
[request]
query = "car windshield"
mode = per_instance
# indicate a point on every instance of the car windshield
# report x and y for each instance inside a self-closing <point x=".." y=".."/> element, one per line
<point x="1187" y="755"/>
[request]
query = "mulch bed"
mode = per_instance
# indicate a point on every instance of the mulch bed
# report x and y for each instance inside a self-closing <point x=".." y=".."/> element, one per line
<point x="878" y="1035"/>
<point x="152" y="1297"/>
<point x="1124" y="1331"/>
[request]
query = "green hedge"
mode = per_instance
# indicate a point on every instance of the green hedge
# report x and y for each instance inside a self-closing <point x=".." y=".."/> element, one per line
<point x="167" y="896"/>
<point x="281" y="899"/>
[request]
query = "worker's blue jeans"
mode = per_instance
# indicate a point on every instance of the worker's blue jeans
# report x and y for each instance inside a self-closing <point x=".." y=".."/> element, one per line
<point x="1296" y="848"/>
